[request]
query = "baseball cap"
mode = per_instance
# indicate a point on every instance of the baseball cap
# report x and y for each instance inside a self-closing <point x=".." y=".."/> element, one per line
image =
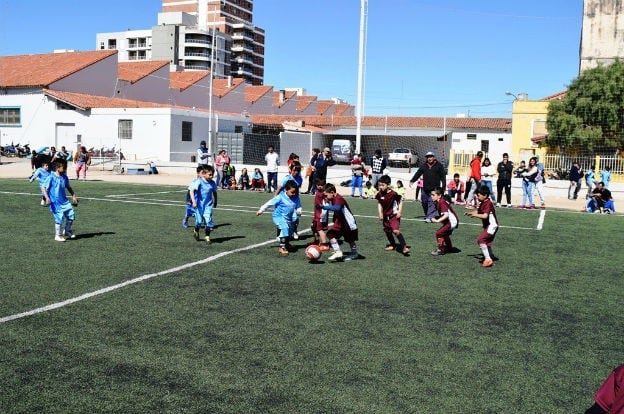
<point x="430" y="154"/>
<point x="326" y="149"/>
<point x="202" y="143"/>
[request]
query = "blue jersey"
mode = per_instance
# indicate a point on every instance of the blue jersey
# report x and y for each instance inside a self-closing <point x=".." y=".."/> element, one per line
<point x="57" y="186"/>
<point x="204" y="191"/>
<point x="299" y="181"/>
<point x="283" y="206"/>
<point x="40" y="174"/>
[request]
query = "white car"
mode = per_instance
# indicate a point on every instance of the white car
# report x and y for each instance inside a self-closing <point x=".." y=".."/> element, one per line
<point x="402" y="157"/>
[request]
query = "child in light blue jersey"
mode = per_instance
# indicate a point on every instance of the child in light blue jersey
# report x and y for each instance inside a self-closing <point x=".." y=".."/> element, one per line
<point x="41" y="174"/>
<point x="294" y="174"/>
<point x="203" y="193"/>
<point x="54" y="191"/>
<point x="284" y="208"/>
<point x="190" y="212"/>
<point x="605" y="176"/>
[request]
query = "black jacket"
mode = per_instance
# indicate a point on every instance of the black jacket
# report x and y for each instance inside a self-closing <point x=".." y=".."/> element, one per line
<point x="433" y="176"/>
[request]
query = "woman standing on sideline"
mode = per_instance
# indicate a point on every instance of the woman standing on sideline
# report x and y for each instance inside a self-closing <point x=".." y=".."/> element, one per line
<point x="528" y="183"/>
<point x="82" y="159"/>
<point x="487" y="176"/>
<point x="311" y="185"/>
<point x="357" y="173"/>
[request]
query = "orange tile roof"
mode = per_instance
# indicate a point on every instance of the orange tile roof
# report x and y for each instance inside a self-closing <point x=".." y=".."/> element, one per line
<point x="135" y="71"/>
<point x="184" y="80"/>
<point x="555" y="96"/>
<point x="304" y="101"/>
<point x="86" y="102"/>
<point x="390" y="121"/>
<point x="25" y="71"/>
<point x="253" y="93"/>
<point x="287" y="95"/>
<point x="220" y="86"/>
<point x="323" y="105"/>
<point x="341" y="109"/>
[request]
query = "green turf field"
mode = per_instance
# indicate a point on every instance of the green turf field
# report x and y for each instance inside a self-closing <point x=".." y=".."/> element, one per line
<point x="234" y="328"/>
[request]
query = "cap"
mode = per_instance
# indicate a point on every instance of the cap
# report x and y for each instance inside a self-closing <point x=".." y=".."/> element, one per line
<point x="536" y="156"/>
<point x="430" y="154"/>
<point x="479" y="153"/>
<point x="326" y="149"/>
<point x="202" y="143"/>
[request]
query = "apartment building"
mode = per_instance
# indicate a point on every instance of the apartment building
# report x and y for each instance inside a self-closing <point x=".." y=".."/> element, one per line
<point x="602" y="37"/>
<point x="235" y="19"/>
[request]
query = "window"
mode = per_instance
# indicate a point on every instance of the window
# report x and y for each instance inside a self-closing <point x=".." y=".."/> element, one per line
<point x="112" y="43"/>
<point x="485" y="146"/>
<point x="471" y="136"/>
<point x="10" y="116"/>
<point x="124" y="129"/>
<point x="238" y="129"/>
<point x="187" y="131"/>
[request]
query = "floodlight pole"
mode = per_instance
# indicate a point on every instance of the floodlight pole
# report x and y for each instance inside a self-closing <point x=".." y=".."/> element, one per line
<point x="361" y="68"/>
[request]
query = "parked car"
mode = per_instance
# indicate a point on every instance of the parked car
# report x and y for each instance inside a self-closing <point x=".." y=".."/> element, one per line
<point x="404" y="157"/>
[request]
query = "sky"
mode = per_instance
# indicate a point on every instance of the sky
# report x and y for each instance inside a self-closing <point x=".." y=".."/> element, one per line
<point x="423" y="57"/>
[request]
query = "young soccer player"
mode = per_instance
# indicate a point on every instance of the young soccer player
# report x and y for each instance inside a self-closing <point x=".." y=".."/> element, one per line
<point x="283" y="209"/>
<point x="449" y="220"/>
<point x="487" y="214"/>
<point x="344" y="224"/>
<point x="319" y="219"/>
<point x="41" y="174"/>
<point x="294" y="174"/>
<point x="203" y="192"/>
<point x="190" y="212"/>
<point x="389" y="209"/>
<point x="54" y="190"/>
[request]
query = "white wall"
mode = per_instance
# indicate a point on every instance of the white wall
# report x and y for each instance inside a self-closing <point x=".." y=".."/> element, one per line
<point x="496" y="149"/>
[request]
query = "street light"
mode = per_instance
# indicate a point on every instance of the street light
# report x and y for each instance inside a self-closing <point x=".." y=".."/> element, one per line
<point x="511" y="94"/>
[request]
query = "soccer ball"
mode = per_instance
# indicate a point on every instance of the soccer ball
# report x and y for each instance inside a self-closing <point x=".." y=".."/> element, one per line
<point x="313" y="252"/>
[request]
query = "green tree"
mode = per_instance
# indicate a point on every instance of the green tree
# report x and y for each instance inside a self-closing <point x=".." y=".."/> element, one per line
<point x="591" y="116"/>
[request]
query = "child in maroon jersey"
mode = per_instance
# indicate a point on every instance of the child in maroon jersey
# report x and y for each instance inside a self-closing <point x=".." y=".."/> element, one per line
<point x="343" y="225"/>
<point x="389" y="209"/>
<point x="487" y="214"/>
<point x="319" y="219"/>
<point x="610" y="396"/>
<point x="449" y="220"/>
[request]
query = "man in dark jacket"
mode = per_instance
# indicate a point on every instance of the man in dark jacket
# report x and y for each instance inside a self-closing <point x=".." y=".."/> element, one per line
<point x="575" y="181"/>
<point x="433" y="176"/>
<point x="505" y="172"/>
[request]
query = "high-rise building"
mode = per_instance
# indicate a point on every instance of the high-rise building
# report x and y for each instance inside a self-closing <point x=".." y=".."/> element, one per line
<point x="234" y="18"/>
<point x="602" y="35"/>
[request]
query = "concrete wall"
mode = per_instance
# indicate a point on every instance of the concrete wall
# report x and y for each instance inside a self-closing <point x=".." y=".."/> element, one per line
<point x="602" y="37"/>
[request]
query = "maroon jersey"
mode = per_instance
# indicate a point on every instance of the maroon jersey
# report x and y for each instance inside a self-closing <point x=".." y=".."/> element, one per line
<point x="319" y="212"/>
<point x="343" y="217"/>
<point x="610" y="396"/>
<point x="489" y="223"/>
<point x="444" y="207"/>
<point x="389" y="202"/>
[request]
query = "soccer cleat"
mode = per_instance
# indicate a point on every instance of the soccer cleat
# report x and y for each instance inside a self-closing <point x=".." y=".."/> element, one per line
<point x="295" y="235"/>
<point x="185" y="223"/>
<point x="498" y="205"/>
<point x="69" y="234"/>
<point x="352" y="256"/>
<point x="427" y="220"/>
<point x="282" y="251"/>
<point x="59" y="238"/>
<point x="336" y="256"/>
<point x="508" y="205"/>
<point x="42" y="202"/>
<point x="405" y="250"/>
<point x="323" y="247"/>
<point x="487" y="263"/>
<point x="207" y="238"/>
<point x="437" y="253"/>
<point x="390" y="248"/>
<point x="196" y="234"/>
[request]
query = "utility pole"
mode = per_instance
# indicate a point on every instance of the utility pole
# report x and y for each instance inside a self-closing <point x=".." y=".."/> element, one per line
<point x="361" y="69"/>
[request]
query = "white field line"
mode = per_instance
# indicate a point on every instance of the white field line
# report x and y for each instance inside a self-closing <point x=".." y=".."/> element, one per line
<point x="108" y="289"/>
<point x="540" y="221"/>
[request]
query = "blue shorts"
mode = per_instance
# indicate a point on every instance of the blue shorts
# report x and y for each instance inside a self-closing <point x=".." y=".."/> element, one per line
<point x="62" y="210"/>
<point x="204" y="217"/>
<point x="284" y="225"/>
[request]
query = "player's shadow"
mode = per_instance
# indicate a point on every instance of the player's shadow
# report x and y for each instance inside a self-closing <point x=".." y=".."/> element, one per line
<point x="224" y="239"/>
<point x="221" y="225"/>
<point x="91" y="235"/>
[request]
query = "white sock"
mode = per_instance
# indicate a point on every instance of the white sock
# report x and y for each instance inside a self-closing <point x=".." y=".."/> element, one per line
<point x="486" y="252"/>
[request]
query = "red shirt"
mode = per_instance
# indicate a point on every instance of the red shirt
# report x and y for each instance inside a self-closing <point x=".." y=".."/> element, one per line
<point x="389" y="202"/>
<point x="610" y="395"/>
<point x="475" y="168"/>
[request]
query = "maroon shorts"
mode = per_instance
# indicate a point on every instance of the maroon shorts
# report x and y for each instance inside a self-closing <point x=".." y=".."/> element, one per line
<point x="349" y="235"/>
<point x="445" y="230"/>
<point x="391" y="224"/>
<point x="317" y="226"/>
<point x="485" y="238"/>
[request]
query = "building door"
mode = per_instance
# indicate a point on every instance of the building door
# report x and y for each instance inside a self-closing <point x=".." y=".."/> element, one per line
<point x="65" y="135"/>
